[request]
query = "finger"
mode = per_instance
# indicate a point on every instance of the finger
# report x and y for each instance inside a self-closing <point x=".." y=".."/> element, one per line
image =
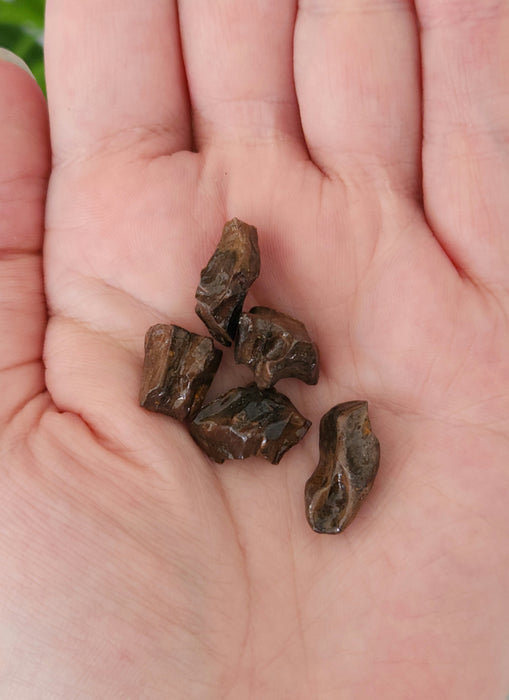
<point x="465" y="53"/>
<point x="239" y="67"/>
<point x="115" y="77"/>
<point x="357" y="78"/>
<point x="24" y="145"/>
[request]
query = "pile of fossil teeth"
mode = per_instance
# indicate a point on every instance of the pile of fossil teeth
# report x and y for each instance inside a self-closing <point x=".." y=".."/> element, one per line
<point x="257" y="419"/>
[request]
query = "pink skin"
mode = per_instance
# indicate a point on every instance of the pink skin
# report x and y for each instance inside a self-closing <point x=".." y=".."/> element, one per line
<point x="371" y="151"/>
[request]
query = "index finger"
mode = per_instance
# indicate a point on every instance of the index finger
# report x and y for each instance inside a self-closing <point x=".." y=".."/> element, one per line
<point x="115" y="77"/>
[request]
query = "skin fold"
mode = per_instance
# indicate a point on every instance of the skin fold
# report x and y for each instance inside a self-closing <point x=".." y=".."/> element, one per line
<point x="368" y="143"/>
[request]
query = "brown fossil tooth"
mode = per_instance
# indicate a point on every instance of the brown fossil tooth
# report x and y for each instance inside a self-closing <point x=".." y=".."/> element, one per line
<point x="226" y="278"/>
<point x="275" y="346"/>
<point x="178" y="370"/>
<point x="248" y="421"/>
<point x="349" y="458"/>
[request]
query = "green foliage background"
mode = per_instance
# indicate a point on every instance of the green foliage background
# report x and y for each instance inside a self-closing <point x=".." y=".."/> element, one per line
<point x="21" y="31"/>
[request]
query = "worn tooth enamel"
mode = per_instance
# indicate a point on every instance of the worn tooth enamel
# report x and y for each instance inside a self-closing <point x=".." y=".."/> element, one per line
<point x="275" y="346"/>
<point x="178" y="370"/>
<point x="349" y="458"/>
<point x="248" y="421"/>
<point x="226" y="278"/>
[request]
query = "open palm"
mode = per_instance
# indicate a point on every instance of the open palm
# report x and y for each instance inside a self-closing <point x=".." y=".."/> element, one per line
<point x="368" y="144"/>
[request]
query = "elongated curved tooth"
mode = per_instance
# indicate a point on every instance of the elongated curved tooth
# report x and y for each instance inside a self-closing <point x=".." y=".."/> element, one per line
<point x="349" y="458"/>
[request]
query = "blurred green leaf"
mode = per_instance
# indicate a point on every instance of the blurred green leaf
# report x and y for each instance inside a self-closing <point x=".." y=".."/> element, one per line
<point x="22" y="12"/>
<point x="21" y="31"/>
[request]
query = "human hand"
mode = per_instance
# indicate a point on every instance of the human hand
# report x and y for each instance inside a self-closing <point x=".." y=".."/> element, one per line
<point x="133" y="567"/>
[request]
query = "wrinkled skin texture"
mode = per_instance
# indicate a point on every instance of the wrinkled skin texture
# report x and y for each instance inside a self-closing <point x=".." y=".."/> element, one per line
<point x="131" y="566"/>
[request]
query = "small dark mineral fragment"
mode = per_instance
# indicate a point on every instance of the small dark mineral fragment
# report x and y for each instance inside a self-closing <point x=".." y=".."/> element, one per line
<point x="248" y="421"/>
<point x="178" y="370"/>
<point x="226" y="279"/>
<point x="349" y="456"/>
<point x="275" y="346"/>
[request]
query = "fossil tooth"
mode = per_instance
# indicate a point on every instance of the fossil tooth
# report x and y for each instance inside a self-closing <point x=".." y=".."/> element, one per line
<point x="275" y="346"/>
<point x="178" y="370"/>
<point x="226" y="278"/>
<point x="248" y="421"/>
<point x="349" y="458"/>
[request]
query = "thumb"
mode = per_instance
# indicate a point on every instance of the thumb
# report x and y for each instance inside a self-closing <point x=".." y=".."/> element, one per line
<point x="24" y="171"/>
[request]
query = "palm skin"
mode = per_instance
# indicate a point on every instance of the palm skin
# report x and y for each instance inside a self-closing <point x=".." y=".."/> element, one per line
<point x="133" y="567"/>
